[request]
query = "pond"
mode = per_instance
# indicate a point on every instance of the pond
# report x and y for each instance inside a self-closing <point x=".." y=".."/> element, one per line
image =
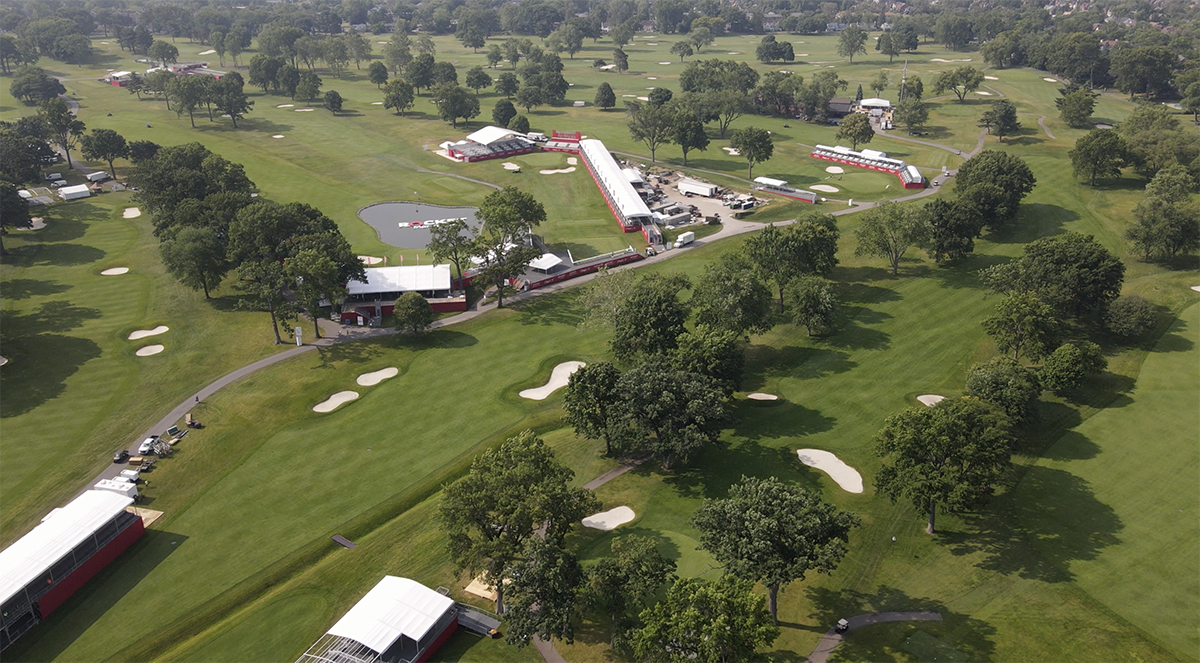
<point x="407" y="225"/>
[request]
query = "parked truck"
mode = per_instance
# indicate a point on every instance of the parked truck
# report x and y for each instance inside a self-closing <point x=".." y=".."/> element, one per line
<point x="685" y="238"/>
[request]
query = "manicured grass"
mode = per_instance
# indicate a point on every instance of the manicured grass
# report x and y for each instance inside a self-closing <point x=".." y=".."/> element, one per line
<point x="241" y="567"/>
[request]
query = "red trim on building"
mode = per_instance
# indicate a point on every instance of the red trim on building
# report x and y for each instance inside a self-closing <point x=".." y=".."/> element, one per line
<point x="67" y="586"/>
<point x="441" y="640"/>
<point x="891" y="171"/>
<point x="603" y="192"/>
<point x="588" y="269"/>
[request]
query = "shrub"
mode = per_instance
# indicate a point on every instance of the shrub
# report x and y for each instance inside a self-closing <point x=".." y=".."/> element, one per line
<point x="1070" y="365"/>
<point x="1131" y="316"/>
<point x="1005" y="382"/>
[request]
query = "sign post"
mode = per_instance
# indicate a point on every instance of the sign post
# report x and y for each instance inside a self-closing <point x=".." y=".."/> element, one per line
<point x="299" y="340"/>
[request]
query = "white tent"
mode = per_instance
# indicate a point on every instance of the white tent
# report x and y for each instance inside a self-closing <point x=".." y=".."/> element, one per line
<point x="770" y="181"/>
<point x="874" y="102"/>
<point x="74" y="192"/>
<point x="546" y="262"/>
<point x="414" y="278"/>
<point x="490" y="134"/>
<point x="394" y="607"/>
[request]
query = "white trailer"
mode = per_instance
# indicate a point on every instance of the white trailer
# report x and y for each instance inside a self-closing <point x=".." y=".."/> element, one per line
<point x="697" y="188"/>
<point x="98" y="176"/>
<point x="685" y="238"/>
<point x="126" y="489"/>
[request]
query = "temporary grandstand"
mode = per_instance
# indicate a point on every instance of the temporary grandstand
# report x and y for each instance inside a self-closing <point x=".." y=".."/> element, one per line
<point x="376" y="297"/>
<point x="563" y="141"/>
<point x="489" y="143"/>
<point x="781" y="188"/>
<point x="625" y="203"/>
<point x="42" y="569"/>
<point x="398" y="621"/>
<point x="909" y="176"/>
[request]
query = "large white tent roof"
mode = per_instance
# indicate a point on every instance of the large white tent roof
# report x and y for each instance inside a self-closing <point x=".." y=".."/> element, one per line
<point x="770" y="181"/>
<point x="402" y="279"/>
<point x="605" y="168"/>
<point x="875" y="102"/>
<point x="31" y="555"/>
<point x="394" y="607"/>
<point x="490" y="134"/>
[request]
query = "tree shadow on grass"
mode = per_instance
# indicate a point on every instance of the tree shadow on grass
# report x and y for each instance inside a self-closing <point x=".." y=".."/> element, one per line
<point x="853" y="277"/>
<point x="861" y="293"/>
<point x="772" y="420"/>
<point x="63" y="229"/>
<point x="549" y="311"/>
<point x="1034" y="220"/>
<point x="15" y="289"/>
<point x="95" y="599"/>
<point x="801" y="362"/>
<point x="41" y="360"/>
<point x="354" y="352"/>
<point x="58" y="255"/>
<point x="1050" y="520"/>
<point x="964" y="273"/>
<point x="716" y="468"/>
<point x="972" y="637"/>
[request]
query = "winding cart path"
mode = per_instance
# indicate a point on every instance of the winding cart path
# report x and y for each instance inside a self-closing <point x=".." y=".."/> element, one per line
<point x="832" y="638"/>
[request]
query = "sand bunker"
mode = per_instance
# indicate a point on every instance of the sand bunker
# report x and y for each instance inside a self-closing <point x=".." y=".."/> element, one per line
<point x="609" y="520"/>
<point x="825" y="188"/>
<point x="333" y="402"/>
<point x="1050" y="80"/>
<point x="286" y="106"/>
<point x="149" y="350"/>
<point x="143" y="333"/>
<point x="652" y="78"/>
<point x="579" y="104"/>
<point x="3" y="361"/>
<point x="370" y="260"/>
<point x="304" y="110"/>
<point x="950" y="60"/>
<point x="845" y="476"/>
<point x="735" y="52"/>
<point x="572" y="161"/>
<point x="35" y="223"/>
<point x="759" y="396"/>
<point x="643" y="98"/>
<point x="983" y="92"/>
<point x="1196" y="288"/>
<point x="558" y="380"/>
<point x="732" y="151"/>
<point x="115" y="271"/>
<point x="376" y="103"/>
<point x="208" y="52"/>
<point x="836" y="170"/>
<point x="508" y="165"/>
<point x="990" y="78"/>
<point x="277" y="136"/>
<point x="664" y="63"/>
<point x="131" y="213"/>
<point x="374" y="378"/>
<point x="481" y="589"/>
<point x="930" y="400"/>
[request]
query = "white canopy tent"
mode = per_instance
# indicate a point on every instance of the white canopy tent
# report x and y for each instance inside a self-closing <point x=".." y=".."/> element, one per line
<point x="394" y="607"/>
<point x="414" y="278"/>
<point x="769" y="181"/>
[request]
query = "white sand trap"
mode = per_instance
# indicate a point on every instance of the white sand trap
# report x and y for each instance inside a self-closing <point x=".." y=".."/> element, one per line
<point x="759" y="396"/>
<point x="643" y="98"/>
<point x="845" y="476"/>
<point x="304" y="110"/>
<point x="277" y="136"/>
<point x="376" y="103"/>
<point x="609" y="520"/>
<point x="654" y="43"/>
<point x="508" y="165"/>
<point x="983" y="92"/>
<point x="629" y="95"/>
<point x="333" y="402"/>
<point x="1050" y="80"/>
<point x="558" y="380"/>
<point x="824" y="188"/>
<point x="735" y="52"/>
<point x="286" y="106"/>
<point x="149" y="350"/>
<point x="370" y="260"/>
<point x="115" y="271"/>
<point x="1196" y="288"/>
<point x="836" y="170"/>
<point x="375" y="377"/>
<point x="131" y="213"/>
<point x="990" y="78"/>
<point x="652" y="78"/>
<point x="35" y="223"/>
<point x="578" y="104"/>
<point x="208" y="52"/>
<point x="664" y="63"/>
<point x="802" y="55"/>
<point x="572" y="161"/>
<point x="732" y="151"/>
<point x="3" y="361"/>
<point x="950" y="60"/>
<point x="143" y="333"/>
<point x="381" y="42"/>
<point x="929" y="400"/>
<point x="651" y="88"/>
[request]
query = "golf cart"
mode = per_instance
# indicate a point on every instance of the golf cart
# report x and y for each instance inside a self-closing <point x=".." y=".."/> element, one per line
<point x="842" y="626"/>
<point x="121" y="456"/>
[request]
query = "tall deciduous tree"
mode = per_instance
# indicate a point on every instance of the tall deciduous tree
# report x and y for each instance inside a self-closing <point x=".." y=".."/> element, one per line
<point x="687" y="131"/>
<point x="413" y="313"/>
<point x="814" y="304"/>
<point x="774" y="533"/>
<point x="477" y="79"/>
<point x="852" y="41"/>
<point x="670" y="414"/>
<point x="189" y="93"/>
<point x="651" y="124"/>
<point x="313" y="277"/>
<point x="454" y="101"/>
<point x="14" y="211"/>
<point x="624" y="584"/>
<point x="398" y="94"/>
<point x="1007" y="383"/>
<point x="452" y="241"/>
<point x="605" y="97"/>
<point x="508" y="216"/>
<point x="856" y="128"/>
<point x="590" y="401"/>
<point x="1001" y="119"/>
<point x="651" y="318"/>
<point x="1167" y="221"/>
<point x="1009" y="176"/>
<point x="1099" y="153"/>
<point x="713" y="352"/>
<point x="952" y="454"/>
<point x="961" y="81"/>
<point x="755" y="145"/>
<point x="1069" y="366"/>
<point x="230" y="99"/>
<point x="1023" y="323"/>
<point x="544" y="597"/>
<point x="703" y="621"/>
<point x="730" y="295"/>
<point x="65" y="130"/>
<point x="683" y="49"/>
<point x="1071" y="272"/>
<point x="889" y="230"/>
<point x="333" y="102"/>
<point x="1075" y="108"/>
<point x="511" y="494"/>
<point x="804" y="247"/>
<point x="953" y="227"/>
<point x="377" y="73"/>
<point x="105" y="145"/>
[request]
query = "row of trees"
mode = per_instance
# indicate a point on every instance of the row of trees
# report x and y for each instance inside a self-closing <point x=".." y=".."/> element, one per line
<point x="288" y="257"/>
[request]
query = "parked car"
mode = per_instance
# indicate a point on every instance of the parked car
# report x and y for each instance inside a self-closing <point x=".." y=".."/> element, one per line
<point x="121" y="456"/>
<point x="147" y="445"/>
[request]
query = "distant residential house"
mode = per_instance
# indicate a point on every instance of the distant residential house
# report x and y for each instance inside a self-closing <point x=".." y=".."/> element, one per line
<point x="771" y="22"/>
<point x="835" y="27"/>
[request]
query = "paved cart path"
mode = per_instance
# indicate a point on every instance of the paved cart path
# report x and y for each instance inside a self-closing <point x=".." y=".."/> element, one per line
<point x="832" y="638"/>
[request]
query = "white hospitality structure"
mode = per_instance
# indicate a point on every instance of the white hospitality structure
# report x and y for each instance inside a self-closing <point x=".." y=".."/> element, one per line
<point x="626" y="204"/>
<point x="399" y="620"/>
<point x="74" y="192"/>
